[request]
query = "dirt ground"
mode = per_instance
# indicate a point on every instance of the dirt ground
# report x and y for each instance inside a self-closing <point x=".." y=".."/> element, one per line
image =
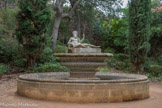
<point x="10" y="99"/>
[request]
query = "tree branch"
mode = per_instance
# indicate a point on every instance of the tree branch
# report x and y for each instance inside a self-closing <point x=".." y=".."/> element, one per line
<point x="59" y="5"/>
<point x="72" y="10"/>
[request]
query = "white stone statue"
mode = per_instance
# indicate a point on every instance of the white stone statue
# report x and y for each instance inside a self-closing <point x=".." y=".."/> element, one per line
<point x="75" y="42"/>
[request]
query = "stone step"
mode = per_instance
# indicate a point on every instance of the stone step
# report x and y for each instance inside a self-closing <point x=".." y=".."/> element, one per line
<point x="84" y="64"/>
<point x="89" y="63"/>
<point x="83" y="57"/>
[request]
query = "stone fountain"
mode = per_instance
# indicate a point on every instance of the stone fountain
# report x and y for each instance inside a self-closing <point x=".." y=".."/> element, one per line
<point x="84" y="82"/>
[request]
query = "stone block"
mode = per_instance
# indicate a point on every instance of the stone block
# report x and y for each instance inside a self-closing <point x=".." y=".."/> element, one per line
<point x="84" y="50"/>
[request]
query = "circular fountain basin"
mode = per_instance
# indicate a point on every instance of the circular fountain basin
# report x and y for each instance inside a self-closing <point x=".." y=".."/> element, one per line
<point x="58" y="86"/>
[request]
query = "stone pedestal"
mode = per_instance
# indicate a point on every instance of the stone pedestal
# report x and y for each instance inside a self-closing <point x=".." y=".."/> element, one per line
<point x="84" y="50"/>
<point x="83" y="65"/>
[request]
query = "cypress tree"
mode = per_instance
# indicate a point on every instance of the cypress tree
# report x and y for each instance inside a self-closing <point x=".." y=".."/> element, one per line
<point x="33" y="23"/>
<point x="139" y="32"/>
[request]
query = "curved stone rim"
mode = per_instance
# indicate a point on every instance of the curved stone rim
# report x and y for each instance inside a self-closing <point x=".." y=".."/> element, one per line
<point x="130" y="78"/>
<point x="83" y="91"/>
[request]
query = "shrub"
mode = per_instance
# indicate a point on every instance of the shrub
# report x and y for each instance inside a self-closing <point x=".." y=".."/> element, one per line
<point x="147" y="64"/>
<point x="50" y="67"/>
<point x="105" y="69"/>
<point x="86" y="41"/>
<point x="8" y="45"/>
<point x="109" y="50"/>
<point x="155" y="70"/>
<point x="19" y="61"/>
<point x="48" y="63"/>
<point x="8" y="21"/>
<point x="47" y="57"/>
<point x="122" y="57"/>
<point x="4" y="69"/>
<point x="119" y="61"/>
<point x="8" y="48"/>
<point x="33" y="25"/>
<point x="121" y="65"/>
<point x="111" y="62"/>
<point x="60" y="49"/>
<point x="159" y="61"/>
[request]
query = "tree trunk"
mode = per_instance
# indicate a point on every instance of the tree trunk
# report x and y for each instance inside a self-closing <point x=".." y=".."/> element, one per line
<point x="5" y="4"/>
<point x="30" y="61"/>
<point x="78" y="23"/>
<point x="77" y="18"/>
<point x="55" y="30"/>
<point x="138" y="67"/>
<point x="59" y="16"/>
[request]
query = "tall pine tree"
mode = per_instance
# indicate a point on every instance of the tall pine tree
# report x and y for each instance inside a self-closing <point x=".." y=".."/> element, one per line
<point x="33" y="23"/>
<point x="139" y="32"/>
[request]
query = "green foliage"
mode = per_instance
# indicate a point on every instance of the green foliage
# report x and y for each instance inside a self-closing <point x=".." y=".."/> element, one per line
<point x="119" y="61"/>
<point x="8" y="21"/>
<point x="63" y="40"/>
<point x="64" y="28"/>
<point x="8" y="45"/>
<point x="111" y="62"/>
<point x="105" y="69"/>
<point x="156" y="70"/>
<point x="122" y="57"/>
<point x="121" y="66"/>
<point x="33" y="23"/>
<point x="87" y="13"/>
<point x="48" y="63"/>
<point x="109" y="50"/>
<point x="4" y="69"/>
<point x="147" y="64"/>
<point x="139" y="31"/>
<point x="159" y="61"/>
<point x="47" y="57"/>
<point x="156" y="34"/>
<point x="86" y="41"/>
<point x="19" y="61"/>
<point x="152" y="69"/>
<point x="155" y="3"/>
<point x="8" y="48"/>
<point x="114" y="31"/>
<point x="60" y="49"/>
<point x="98" y="27"/>
<point x="50" y="67"/>
<point x="9" y="52"/>
<point x="155" y="76"/>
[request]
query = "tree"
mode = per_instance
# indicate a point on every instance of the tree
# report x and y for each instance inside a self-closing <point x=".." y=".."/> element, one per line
<point x="33" y="23"/>
<point x="139" y="32"/>
<point x="83" y="10"/>
<point x="59" y="16"/>
<point x="156" y="30"/>
<point x="4" y="3"/>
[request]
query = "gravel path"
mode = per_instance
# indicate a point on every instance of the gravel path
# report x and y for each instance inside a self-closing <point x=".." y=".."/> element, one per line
<point x="10" y="99"/>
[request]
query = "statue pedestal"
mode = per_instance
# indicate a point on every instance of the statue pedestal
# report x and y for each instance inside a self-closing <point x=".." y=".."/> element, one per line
<point x="84" y="50"/>
<point x="83" y="65"/>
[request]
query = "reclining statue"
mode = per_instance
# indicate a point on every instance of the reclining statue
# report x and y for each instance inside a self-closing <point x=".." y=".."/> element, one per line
<point x="75" y="42"/>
